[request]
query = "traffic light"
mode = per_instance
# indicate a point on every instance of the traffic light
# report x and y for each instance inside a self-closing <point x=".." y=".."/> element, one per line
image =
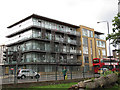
<point x="20" y="56"/>
<point x="14" y="56"/>
<point x="5" y="55"/>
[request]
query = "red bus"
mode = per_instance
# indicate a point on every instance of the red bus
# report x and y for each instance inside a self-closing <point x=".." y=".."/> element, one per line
<point x="109" y="63"/>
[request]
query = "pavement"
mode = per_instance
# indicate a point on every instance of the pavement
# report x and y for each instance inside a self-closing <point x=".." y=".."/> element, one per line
<point x="6" y="76"/>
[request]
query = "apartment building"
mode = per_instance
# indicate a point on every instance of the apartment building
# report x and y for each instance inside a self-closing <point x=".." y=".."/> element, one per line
<point x="44" y="42"/>
<point x="92" y="46"/>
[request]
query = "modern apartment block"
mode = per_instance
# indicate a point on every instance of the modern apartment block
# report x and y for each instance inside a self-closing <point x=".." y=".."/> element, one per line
<point x="47" y="43"/>
<point x="44" y="42"/>
<point x="92" y="46"/>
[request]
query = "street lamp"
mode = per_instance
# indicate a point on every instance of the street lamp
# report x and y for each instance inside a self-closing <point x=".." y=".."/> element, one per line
<point x="109" y="39"/>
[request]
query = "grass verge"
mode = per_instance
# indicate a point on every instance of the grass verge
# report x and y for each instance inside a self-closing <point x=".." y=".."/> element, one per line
<point x="51" y="87"/>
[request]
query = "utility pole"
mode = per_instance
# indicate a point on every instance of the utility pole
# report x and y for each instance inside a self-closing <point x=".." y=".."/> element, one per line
<point x="18" y="57"/>
<point x="15" y="55"/>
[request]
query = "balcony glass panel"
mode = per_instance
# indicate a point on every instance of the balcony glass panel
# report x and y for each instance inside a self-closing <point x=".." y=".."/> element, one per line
<point x="72" y="49"/>
<point x="64" y="48"/>
<point x="71" y="40"/>
<point x="37" y="22"/>
<point x="59" y="37"/>
<point x="67" y="47"/>
<point x="63" y="58"/>
<point x="52" y="58"/>
<point x="48" y="36"/>
<point x="36" y="33"/>
<point x="28" y="46"/>
<point x="28" y="57"/>
<point x="43" y="57"/>
<point x="22" y="47"/>
<point x="56" y="47"/>
<point x="47" y="47"/>
<point x="38" y="45"/>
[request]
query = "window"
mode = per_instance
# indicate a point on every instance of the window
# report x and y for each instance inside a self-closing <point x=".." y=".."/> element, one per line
<point x="85" y="50"/>
<point x="96" y="61"/>
<point x="86" y="59"/>
<point x="103" y="52"/>
<point x="91" y="51"/>
<point x="101" y="44"/>
<point x="96" y="66"/>
<point x="85" y="41"/>
<point x="86" y="32"/>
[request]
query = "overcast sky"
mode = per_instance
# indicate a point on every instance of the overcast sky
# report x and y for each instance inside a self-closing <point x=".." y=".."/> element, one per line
<point x="77" y="12"/>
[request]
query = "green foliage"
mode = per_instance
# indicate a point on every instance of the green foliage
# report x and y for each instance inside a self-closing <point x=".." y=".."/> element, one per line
<point x="106" y="73"/>
<point x="116" y="73"/>
<point x="109" y="72"/>
<point x="115" y="36"/>
<point x="116" y="22"/>
<point x="63" y="86"/>
<point x="92" y="79"/>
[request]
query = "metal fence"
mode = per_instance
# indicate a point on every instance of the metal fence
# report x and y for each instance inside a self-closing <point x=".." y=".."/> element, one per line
<point x="73" y="72"/>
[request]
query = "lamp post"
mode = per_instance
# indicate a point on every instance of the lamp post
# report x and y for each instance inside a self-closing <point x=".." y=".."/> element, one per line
<point x="109" y="39"/>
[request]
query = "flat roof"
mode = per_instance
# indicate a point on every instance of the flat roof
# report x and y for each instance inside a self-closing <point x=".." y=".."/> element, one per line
<point x="99" y="33"/>
<point x="44" y="18"/>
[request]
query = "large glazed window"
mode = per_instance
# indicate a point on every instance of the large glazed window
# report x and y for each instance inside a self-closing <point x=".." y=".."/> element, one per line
<point x="100" y="44"/>
<point x="85" y="41"/>
<point x="85" y="59"/>
<point x="103" y="52"/>
<point x="86" y="32"/>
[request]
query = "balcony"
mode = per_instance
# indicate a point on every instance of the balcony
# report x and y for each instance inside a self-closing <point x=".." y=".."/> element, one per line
<point x="72" y="51"/>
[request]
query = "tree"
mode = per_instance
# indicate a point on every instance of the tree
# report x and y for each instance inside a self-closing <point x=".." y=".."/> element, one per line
<point x="115" y="36"/>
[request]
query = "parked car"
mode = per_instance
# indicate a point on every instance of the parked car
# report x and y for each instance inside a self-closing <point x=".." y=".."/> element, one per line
<point x="23" y="73"/>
